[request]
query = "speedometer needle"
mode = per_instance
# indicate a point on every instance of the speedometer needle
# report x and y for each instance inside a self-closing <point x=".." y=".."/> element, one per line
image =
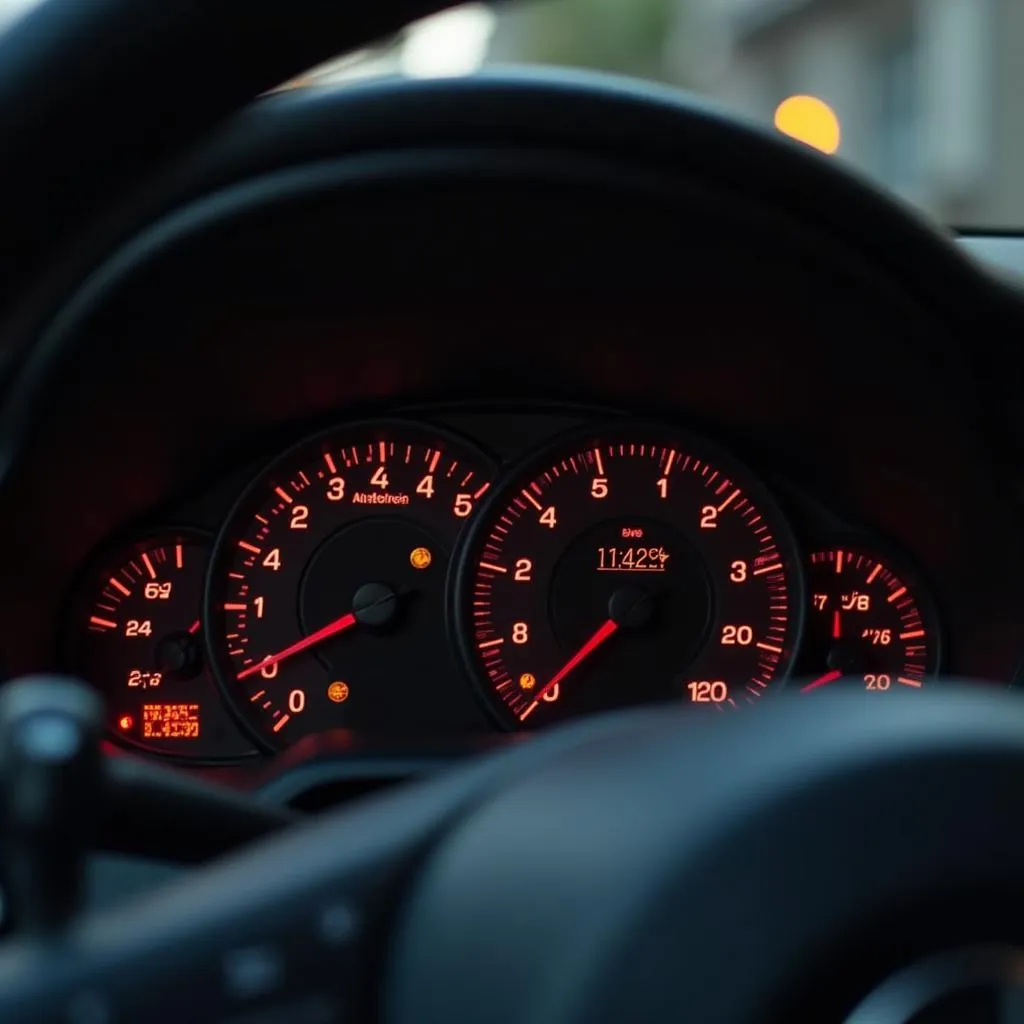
<point x="602" y="634"/>
<point x="331" y="629"/>
<point x="824" y="680"/>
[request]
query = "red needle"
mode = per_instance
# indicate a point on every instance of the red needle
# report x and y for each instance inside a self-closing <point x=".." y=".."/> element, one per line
<point x="331" y="629"/>
<point x="194" y="628"/>
<point x="837" y="629"/>
<point x="586" y="650"/>
<point x="823" y="681"/>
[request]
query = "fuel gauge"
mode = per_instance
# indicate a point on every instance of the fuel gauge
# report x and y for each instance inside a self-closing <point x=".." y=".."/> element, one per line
<point x="135" y="634"/>
<point x="868" y="626"/>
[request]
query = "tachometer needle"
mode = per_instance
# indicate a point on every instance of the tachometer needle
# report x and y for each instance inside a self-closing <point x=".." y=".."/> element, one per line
<point x="831" y="677"/>
<point x="602" y="634"/>
<point x="331" y="629"/>
<point x="837" y="627"/>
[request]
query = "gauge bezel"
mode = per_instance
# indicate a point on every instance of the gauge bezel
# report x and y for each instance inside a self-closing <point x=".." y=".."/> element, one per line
<point x="247" y="499"/>
<point x="517" y="475"/>
<point x="905" y="567"/>
<point x="111" y="553"/>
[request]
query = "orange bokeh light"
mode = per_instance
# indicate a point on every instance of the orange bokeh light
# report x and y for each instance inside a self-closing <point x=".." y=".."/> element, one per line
<point x="125" y="722"/>
<point x="810" y="120"/>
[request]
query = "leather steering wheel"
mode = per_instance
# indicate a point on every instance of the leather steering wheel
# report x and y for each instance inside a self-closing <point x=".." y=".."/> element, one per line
<point x="638" y="867"/>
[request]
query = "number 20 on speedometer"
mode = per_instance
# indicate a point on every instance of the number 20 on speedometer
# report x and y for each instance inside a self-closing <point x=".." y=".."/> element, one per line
<point x="637" y="566"/>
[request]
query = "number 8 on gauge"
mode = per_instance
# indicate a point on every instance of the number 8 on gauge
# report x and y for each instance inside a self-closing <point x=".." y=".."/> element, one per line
<point x="630" y="567"/>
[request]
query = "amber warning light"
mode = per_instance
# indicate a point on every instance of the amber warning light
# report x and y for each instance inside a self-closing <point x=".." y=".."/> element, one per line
<point x="170" y="721"/>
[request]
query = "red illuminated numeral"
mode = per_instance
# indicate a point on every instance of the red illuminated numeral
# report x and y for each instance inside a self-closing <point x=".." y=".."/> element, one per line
<point x="739" y="572"/>
<point x="873" y="682"/>
<point x="336" y="489"/>
<point x="463" y="507"/>
<point x="709" y="518"/>
<point x="524" y="569"/>
<point x="599" y="487"/>
<point x="157" y="591"/>
<point x="297" y="701"/>
<point x="379" y="478"/>
<point x="742" y="636"/>
<point x="520" y="633"/>
<point x="708" y="691"/>
<point x="136" y="627"/>
<point x="273" y="559"/>
<point x="269" y="671"/>
<point x="548" y="517"/>
<point x="426" y="486"/>
<point x="300" y="515"/>
<point x="663" y="487"/>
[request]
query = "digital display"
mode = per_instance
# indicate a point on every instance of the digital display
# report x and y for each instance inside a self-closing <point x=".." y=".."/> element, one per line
<point x="170" y="721"/>
<point x="632" y="559"/>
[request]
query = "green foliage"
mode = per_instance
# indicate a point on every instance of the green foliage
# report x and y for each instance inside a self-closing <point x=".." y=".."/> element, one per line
<point x="614" y="35"/>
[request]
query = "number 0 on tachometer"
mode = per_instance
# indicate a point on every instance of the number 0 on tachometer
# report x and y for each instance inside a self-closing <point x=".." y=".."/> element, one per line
<point x="640" y="566"/>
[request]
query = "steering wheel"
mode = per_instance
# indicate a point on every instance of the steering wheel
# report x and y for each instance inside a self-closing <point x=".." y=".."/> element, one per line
<point x="824" y="858"/>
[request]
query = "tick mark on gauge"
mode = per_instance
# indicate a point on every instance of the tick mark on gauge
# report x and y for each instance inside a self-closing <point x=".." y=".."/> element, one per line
<point x="531" y="499"/>
<point x="118" y="585"/>
<point x="728" y="501"/>
<point x="246" y="546"/>
<point x="282" y="722"/>
<point x="283" y="495"/>
<point x="896" y="595"/>
<point x="491" y="643"/>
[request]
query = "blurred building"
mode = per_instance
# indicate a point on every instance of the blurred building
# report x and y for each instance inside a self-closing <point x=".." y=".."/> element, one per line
<point x="929" y="93"/>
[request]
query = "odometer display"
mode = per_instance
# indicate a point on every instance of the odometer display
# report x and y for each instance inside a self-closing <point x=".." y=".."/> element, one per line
<point x="637" y="567"/>
<point x="325" y="602"/>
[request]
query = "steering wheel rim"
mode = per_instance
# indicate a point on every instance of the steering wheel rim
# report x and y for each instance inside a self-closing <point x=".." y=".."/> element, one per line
<point x="96" y="93"/>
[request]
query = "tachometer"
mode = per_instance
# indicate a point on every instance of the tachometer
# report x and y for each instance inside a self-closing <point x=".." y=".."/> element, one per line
<point x="636" y="566"/>
<point x="325" y="601"/>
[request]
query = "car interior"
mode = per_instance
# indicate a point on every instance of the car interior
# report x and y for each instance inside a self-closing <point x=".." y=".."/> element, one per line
<point x="533" y="546"/>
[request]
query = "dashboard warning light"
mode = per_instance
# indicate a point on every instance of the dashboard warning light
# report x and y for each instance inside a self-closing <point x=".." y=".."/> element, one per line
<point x="527" y="681"/>
<point x="125" y="722"/>
<point x="338" y="692"/>
<point x="810" y="120"/>
<point x="420" y="558"/>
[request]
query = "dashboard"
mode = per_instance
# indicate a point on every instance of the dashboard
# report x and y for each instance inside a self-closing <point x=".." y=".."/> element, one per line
<point x="406" y="443"/>
<point x="449" y="571"/>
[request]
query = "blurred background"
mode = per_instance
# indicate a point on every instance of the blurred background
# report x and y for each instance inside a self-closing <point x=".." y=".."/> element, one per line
<point x="927" y="96"/>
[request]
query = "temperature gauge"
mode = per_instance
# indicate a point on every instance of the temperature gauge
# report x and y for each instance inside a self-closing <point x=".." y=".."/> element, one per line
<point x="868" y="626"/>
<point x="135" y="635"/>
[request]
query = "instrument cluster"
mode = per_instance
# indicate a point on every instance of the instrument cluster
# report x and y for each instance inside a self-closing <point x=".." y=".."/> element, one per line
<point x="396" y="577"/>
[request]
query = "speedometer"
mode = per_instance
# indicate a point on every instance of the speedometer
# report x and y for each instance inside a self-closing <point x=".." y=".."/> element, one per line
<point x="634" y="566"/>
<point x="325" y="600"/>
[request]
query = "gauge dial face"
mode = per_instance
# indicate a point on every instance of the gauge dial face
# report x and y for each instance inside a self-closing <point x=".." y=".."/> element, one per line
<point x="867" y="626"/>
<point x="326" y="590"/>
<point x="641" y="566"/>
<point x="135" y="635"/>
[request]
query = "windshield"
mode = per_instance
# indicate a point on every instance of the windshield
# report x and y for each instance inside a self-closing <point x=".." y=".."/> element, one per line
<point x="921" y="95"/>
